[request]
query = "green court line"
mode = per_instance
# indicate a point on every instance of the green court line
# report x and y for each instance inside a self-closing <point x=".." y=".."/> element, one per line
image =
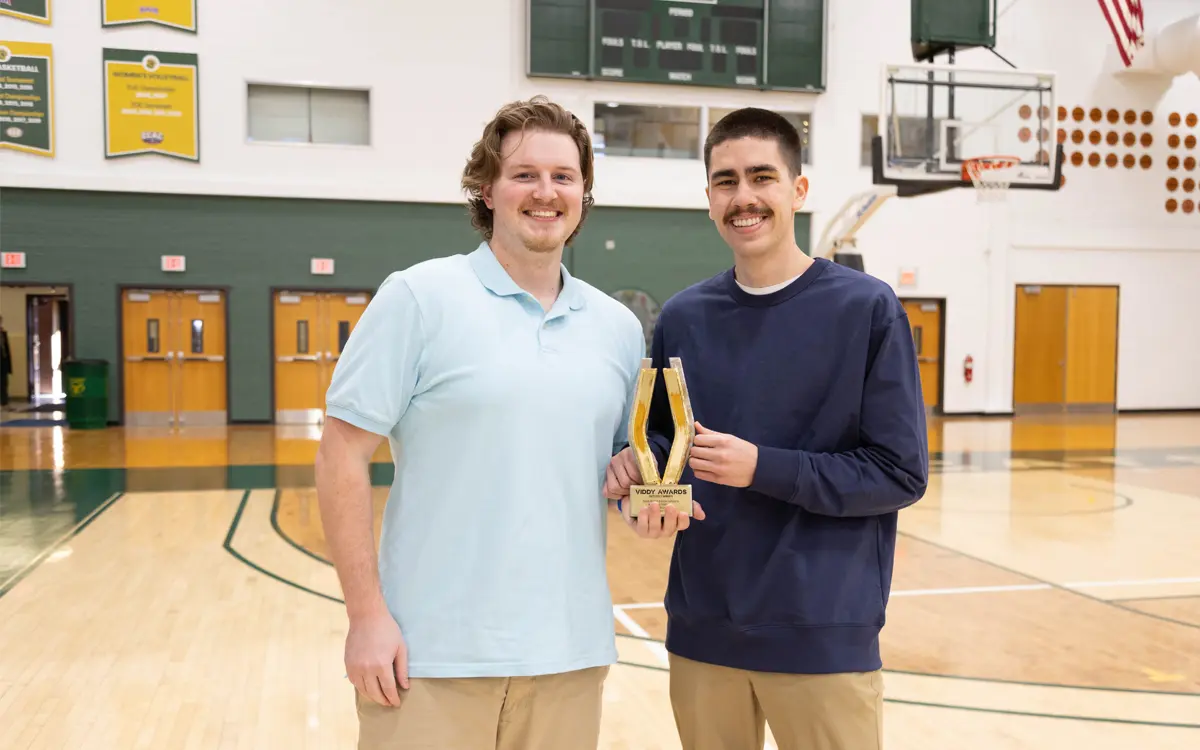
<point x="71" y="534"/>
<point x="284" y="535"/>
<point x="1063" y="685"/>
<point x="1035" y="714"/>
<point x="228" y="546"/>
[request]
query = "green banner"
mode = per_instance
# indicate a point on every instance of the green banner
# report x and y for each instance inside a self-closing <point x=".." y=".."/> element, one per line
<point x="27" y="97"/>
<point x="37" y="11"/>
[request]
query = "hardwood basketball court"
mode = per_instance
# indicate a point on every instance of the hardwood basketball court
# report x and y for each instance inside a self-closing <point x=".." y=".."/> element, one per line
<point x="170" y="588"/>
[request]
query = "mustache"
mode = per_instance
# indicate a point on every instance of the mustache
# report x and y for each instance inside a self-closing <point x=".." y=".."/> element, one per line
<point x="753" y="211"/>
<point x="543" y="207"/>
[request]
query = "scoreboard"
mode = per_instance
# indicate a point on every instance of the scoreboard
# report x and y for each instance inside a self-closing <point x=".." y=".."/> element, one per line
<point x="681" y="42"/>
<point x="758" y="44"/>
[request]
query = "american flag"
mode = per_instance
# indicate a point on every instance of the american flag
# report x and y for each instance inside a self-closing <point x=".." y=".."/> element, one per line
<point x="1127" y="25"/>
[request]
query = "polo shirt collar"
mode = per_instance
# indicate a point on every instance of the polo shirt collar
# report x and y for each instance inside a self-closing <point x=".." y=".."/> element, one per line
<point x="493" y="276"/>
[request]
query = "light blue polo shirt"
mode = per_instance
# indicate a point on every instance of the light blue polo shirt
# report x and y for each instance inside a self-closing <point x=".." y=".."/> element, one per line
<point x="501" y="418"/>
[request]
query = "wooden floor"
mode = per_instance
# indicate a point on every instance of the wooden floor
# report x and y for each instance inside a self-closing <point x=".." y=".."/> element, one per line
<point x="171" y="589"/>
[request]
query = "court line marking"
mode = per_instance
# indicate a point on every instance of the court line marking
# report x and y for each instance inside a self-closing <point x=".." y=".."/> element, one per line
<point x="640" y="633"/>
<point x="1110" y="602"/>
<point x="15" y="578"/>
<point x="229" y="546"/>
<point x="939" y="507"/>
<point x="992" y="589"/>
<point x="1156" y="598"/>
<point x="655" y="647"/>
<point x="287" y="537"/>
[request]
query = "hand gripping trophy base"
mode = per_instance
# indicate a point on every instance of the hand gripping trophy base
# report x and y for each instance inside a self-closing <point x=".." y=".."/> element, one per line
<point x="667" y="490"/>
<point x="679" y="495"/>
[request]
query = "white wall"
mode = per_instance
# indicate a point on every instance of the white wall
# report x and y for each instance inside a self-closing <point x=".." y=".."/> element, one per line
<point x="424" y="120"/>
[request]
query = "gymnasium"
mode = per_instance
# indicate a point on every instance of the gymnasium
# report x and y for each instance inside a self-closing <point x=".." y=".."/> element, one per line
<point x="198" y="199"/>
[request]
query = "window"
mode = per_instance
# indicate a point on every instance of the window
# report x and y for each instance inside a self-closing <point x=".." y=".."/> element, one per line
<point x="802" y="121"/>
<point x="197" y="337"/>
<point x="647" y="130"/>
<point x="152" y="340"/>
<point x="298" y="114"/>
<point x="343" y="335"/>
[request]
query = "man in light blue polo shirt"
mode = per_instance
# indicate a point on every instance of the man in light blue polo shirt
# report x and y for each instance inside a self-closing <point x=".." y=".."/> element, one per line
<point x="502" y="385"/>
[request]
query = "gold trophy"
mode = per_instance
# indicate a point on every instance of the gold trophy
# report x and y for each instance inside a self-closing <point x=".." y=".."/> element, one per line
<point x="665" y="490"/>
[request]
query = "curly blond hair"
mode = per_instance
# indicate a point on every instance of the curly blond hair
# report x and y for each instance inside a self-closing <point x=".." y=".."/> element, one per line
<point x="538" y="113"/>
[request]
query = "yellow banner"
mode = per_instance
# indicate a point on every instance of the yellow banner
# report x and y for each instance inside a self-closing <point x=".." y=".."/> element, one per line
<point x="178" y="14"/>
<point x="27" y="97"/>
<point x="151" y="104"/>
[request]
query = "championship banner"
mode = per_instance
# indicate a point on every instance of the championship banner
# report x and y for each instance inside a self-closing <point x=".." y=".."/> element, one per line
<point x="37" y="11"/>
<point x="27" y="97"/>
<point x="151" y="104"/>
<point x="177" y="14"/>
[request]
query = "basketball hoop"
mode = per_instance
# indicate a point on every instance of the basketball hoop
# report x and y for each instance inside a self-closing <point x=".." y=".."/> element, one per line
<point x="991" y="175"/>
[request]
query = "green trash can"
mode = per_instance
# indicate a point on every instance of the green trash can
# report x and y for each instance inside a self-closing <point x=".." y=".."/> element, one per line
<point x="87" y="393"/>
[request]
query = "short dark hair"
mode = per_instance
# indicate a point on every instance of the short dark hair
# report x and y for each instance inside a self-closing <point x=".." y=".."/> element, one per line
<point x="752" y="122"/>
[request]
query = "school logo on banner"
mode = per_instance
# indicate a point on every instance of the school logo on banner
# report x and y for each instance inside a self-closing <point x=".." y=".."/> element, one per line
<point x="177" y="14"/>
<point x="151" y="104"/>
<point x="26" y="97"/>
<point x="37" y="11"/>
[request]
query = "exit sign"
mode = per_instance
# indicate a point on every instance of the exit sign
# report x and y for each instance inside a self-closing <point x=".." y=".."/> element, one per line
<point x="13" y="260"/>
<point x="174" y="263"/>
<point x="322" y="266"/>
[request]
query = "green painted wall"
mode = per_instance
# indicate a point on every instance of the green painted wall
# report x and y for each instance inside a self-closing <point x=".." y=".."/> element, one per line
<point x="97" y="241"/>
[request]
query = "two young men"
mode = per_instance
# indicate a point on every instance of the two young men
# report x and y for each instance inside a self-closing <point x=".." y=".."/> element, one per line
<point x="502" y="385"/>
<point x="811" y="438"/>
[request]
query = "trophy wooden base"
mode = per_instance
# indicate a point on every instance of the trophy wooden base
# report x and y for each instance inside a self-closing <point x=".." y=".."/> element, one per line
<point x="679" y="495"/>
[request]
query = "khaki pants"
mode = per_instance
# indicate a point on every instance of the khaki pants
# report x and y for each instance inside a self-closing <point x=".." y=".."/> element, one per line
<point x="550" y="712"/>
<point x="718" y="708"/>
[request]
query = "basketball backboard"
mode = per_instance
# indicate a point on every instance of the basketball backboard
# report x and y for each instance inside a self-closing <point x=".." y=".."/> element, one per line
<point x="933" y="118"/>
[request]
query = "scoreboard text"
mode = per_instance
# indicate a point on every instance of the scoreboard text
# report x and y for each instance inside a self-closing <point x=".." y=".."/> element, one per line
<point x="732" y="43"/>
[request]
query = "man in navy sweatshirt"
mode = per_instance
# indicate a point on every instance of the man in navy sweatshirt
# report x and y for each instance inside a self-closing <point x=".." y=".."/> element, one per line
<point x="811" y="438"/>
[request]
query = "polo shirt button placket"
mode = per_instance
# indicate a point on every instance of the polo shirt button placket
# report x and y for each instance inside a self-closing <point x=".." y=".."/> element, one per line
<point x="544" y="334"/>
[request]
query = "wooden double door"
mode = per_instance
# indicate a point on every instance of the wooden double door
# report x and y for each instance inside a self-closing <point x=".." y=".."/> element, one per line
<point x="1065" y="351"/>
<point x="311" y="330"/>
<point x="174" y="358"/>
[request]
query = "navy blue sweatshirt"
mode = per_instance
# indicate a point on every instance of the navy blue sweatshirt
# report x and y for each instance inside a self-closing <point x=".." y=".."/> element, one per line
<point x="792" y="574"/>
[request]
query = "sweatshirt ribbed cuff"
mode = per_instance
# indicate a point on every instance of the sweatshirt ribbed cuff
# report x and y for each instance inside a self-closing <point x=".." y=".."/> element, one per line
<point x="777" y="472"/>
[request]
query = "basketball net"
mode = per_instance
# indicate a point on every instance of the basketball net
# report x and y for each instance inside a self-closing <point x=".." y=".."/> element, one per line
<point x="991" y="176"/>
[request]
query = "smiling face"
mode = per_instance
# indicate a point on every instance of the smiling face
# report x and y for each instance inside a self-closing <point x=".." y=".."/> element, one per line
<point x="537" y="196"/>
<point x="753" y="197"/>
